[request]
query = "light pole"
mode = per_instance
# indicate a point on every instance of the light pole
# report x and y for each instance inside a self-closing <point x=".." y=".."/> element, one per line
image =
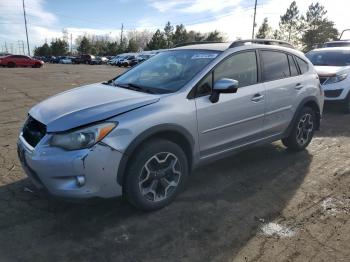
<point x="256" y="1"/>
<point x="25" y="23"/>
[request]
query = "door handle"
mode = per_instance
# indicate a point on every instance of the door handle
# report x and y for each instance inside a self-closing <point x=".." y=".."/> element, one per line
<point x="298" y="86"/>
<point x="256" y="98"/>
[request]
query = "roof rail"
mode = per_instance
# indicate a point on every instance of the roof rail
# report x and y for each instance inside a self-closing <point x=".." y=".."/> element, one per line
<point x="197" y="43"/>
<point x="261" y="42"/>
<point x="342" y="33"/>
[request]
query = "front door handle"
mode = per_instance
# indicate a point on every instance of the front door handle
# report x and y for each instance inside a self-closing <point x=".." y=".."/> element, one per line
<point x="299" y="86"/>
<point x="257" y="97"/>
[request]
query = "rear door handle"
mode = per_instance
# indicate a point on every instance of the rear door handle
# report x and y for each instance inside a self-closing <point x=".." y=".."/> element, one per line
<point x="298" y="86"/>
<point x="256" y="98"/>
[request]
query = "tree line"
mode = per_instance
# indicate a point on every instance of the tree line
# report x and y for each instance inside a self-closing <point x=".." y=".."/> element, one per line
<point x="303" y="31"/>
<point x="133" y="41"/>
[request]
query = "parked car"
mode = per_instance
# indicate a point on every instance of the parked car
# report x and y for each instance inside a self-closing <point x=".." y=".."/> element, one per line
<point x="338" y="43"/>
<point x="143" y="57"/>
<point x="112" y="60"/>
<point x="129" y="60"/>
<point x="20" y="60"/>
<point x="55" y="59"/>
<point x="66" y="60"/>
<point x="141" y="133"/>
<point x="84" y="59"/>
<point x="99" y="60"/>
<point x="118" y="61"/>
<point x="333" y="67"/>
<point x="46" y="59"/>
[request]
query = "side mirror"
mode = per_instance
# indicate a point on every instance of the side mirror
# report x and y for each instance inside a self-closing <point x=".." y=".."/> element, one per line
<point x="225" y="86"/>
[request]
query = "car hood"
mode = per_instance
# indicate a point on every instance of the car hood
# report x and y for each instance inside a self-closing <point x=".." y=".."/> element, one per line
<point x="329" y="71"/>
<point x="88" y="104"/>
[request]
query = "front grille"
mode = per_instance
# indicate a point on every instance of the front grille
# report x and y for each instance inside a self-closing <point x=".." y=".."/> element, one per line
<point x="33" y="131"/>
<point x="323" y="79"/>
<point x="333" y="93"/>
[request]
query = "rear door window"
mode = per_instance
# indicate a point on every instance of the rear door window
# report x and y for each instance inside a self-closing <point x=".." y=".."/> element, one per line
<point x="293" y="67"/>
<point x="275" y="65"/>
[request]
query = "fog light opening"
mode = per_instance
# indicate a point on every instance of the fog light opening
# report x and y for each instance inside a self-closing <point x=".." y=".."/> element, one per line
<point x="80" y="180"/>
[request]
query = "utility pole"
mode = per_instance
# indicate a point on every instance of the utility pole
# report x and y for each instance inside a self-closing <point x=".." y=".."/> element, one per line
<point x="6" y="50"/>
<point x="253" y="36"/>
<point x="71" y="46"/>
<point x="121" y="36"/>
<point x="25" y="23"/>
<point x="24" y="52"/>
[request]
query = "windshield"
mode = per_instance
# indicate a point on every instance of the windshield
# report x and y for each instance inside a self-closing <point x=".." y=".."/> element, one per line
<point x="329" y="58"/>
<point x="168" y="71"/>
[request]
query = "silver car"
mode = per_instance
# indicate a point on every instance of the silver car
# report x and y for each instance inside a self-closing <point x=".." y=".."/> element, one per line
<point x="143" y="132"/>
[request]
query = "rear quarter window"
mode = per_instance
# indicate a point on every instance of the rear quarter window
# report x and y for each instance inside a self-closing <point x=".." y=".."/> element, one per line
<point x="303" y="66"/>
<point x="293" y="66"/>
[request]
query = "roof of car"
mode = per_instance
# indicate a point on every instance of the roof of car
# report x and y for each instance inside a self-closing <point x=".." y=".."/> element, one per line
<point x="215" y="46"/>
<point x="340" y="48"/>
<point x="338" y="41"/>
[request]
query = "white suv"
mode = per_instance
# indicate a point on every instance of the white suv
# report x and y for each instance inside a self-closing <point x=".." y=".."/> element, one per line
<point x="333" y="67"/>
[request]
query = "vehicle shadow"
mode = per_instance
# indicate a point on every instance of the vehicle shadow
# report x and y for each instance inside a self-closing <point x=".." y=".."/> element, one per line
<point x="220" y="210"/>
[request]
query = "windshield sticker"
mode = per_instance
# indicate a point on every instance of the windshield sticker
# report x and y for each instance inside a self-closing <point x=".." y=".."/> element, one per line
<point x="204" y="56"/>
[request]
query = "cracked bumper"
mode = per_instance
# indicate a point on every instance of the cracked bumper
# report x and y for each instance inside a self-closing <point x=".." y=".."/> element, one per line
<point x="58" y="170"/>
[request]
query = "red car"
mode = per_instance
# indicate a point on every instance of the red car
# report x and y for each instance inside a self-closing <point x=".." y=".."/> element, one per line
<point x="20" y="60"/>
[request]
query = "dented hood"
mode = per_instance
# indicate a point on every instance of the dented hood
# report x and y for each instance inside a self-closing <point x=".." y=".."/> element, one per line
<point x="88" y="104"/>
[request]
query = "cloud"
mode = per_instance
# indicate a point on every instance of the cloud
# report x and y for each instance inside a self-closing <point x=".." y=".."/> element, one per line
<point x="232" y="17"/>
<point x="238" y="22"/>
<point x="40" y="22"/>
<point x="193" y="6"/>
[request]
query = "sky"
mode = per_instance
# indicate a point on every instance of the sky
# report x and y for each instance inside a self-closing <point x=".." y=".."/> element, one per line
<point x="47" y="18"/>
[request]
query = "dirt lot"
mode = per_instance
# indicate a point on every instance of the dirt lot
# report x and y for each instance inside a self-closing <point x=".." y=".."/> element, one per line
<point x="264" y="204"/>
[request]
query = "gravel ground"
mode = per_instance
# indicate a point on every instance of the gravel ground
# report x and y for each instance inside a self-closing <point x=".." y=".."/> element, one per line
<point x="264" y="204"/>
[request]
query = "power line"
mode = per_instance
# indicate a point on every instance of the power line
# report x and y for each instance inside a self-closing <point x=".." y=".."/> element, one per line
<point x="121" y="35"/>
<point x="132" y="25"/>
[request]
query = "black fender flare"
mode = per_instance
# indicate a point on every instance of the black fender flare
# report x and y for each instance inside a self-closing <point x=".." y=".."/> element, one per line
<point x="147" y="134"/>
<point x="311" y="100"/>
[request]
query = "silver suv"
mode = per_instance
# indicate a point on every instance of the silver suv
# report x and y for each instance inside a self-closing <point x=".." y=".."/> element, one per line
<point x="142" y="133"/>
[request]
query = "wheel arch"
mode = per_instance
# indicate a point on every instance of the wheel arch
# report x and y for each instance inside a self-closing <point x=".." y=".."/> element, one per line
<point x="171" y="132"/>
<point x="306" y="102"/>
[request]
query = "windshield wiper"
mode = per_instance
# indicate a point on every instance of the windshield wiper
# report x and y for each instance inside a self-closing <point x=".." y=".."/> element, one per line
<point x="136" y="87"/>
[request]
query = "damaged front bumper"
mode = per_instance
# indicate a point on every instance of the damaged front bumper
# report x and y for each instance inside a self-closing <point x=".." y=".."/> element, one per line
<point x="82" y="173"/>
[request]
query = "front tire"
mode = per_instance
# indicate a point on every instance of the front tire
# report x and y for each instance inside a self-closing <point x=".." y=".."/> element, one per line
<point x="156" y="174"/>
<point x="302" y="131"/>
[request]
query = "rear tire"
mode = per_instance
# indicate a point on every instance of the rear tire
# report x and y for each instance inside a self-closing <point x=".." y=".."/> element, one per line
<point x="11" y="65"/>
<point x="156" y="174"/>
<point x="302" y="131"/>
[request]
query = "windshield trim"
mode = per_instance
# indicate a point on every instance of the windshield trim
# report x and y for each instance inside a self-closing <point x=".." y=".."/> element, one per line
<point x="312" y="54"/>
